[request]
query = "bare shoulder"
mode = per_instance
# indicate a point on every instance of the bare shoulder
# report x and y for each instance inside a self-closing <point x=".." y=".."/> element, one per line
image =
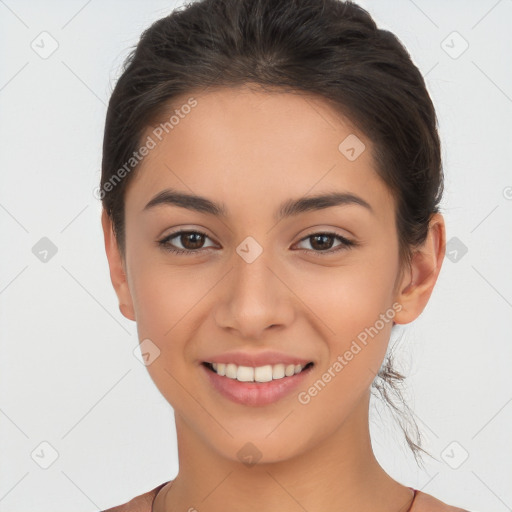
<point x="141" y="503"/>
<point x="427" y="503"/>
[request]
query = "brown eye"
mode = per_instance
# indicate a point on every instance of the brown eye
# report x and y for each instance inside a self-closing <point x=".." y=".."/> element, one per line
<point x="322" y="242"/>
<point x="191" y="241"/>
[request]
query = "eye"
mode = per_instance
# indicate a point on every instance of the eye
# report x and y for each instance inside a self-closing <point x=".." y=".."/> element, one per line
<point x="191" y="240"/>
<point x="323" y="242"/>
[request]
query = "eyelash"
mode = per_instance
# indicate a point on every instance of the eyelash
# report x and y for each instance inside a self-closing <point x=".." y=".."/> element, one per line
<point x="345" y="243"/>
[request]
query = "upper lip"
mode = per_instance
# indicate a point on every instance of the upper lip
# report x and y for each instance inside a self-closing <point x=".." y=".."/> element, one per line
<point x="256" y="359"/>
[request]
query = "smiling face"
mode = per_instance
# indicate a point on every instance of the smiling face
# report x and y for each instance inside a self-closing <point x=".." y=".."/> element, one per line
<point x="304" y="281"/>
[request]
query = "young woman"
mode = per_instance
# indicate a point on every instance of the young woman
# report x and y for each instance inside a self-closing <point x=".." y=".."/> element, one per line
<point x="271" y="180"/>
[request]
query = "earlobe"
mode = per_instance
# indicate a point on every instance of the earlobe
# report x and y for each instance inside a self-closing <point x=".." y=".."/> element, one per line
<point x="418" y="283"/>
<point x="117" y="270"/>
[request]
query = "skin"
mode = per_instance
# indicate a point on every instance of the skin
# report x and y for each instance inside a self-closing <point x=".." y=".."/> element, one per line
<point x="251" y="150"/>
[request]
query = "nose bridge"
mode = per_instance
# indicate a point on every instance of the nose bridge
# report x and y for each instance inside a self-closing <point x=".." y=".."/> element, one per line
<point x="255" y="299"/>
<point x="252" y="280"/>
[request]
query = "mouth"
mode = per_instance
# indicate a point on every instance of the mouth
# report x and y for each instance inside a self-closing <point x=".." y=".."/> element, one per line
<point x="259" y="374"/>
<point x="255" y="386"/>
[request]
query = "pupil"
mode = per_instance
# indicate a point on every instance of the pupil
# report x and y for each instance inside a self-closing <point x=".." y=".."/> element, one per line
<point x="323" y="237"/>
<point x="196" y="244"/>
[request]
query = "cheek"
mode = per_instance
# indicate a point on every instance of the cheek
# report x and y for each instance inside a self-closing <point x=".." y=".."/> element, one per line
<point x="168" y="307"/>
<point x="355" y="306"/>
<point x="350" y="298"/>
<point x="161" y="293"/>
<point x="358" y="312"/>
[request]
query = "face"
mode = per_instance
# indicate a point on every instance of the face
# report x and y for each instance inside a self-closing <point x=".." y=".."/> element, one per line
<point x="315" y="283"/>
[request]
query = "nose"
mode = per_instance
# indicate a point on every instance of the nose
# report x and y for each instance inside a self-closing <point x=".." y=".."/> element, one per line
<point x="255" y="298"/>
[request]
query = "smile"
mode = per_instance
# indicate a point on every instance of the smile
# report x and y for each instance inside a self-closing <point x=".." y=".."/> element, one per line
<point x="255" y="386"/>
<point x="265" y="373"/>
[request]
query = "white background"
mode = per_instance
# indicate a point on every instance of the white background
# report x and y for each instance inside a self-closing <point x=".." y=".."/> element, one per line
<point x="68" y="376"/>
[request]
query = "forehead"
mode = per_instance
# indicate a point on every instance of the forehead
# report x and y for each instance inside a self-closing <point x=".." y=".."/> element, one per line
<point x="249" y="147"/>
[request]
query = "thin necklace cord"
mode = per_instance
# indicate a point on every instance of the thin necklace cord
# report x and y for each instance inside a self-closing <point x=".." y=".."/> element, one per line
<point x="408" y="510"/>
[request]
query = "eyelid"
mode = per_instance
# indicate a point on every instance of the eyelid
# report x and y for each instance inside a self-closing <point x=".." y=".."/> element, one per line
<point x="316" y="230"/>
<point x="187" y="228"/>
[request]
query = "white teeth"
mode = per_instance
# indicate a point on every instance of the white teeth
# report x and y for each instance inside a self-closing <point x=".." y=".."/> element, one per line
<point x="278" y="371"/>
<point x="231" y="370"/>
<point x="245" y="374"/>
<point x="290" y="370"/>
<point x="259" y="374"/>
<point x="263" y="373"/>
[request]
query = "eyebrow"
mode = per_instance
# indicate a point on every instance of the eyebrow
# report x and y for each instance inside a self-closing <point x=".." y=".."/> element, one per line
<point x="289" y="208"/>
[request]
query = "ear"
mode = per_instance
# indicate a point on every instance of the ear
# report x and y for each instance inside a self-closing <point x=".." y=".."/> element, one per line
<point x="117" y="270"/>
<point x="418" y="281"/>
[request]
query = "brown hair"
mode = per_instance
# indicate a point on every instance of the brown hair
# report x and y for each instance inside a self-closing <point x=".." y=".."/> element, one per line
<point x="330" y="48"/>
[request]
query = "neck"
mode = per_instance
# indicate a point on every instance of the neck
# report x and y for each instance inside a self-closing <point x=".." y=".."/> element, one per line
<point x="340" y="473"/>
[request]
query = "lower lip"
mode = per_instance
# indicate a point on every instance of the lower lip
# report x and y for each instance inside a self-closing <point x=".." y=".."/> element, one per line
<point x="255" y="393"/>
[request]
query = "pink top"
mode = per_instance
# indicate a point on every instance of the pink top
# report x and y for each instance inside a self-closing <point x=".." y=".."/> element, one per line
<point x="421" y="502"/>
